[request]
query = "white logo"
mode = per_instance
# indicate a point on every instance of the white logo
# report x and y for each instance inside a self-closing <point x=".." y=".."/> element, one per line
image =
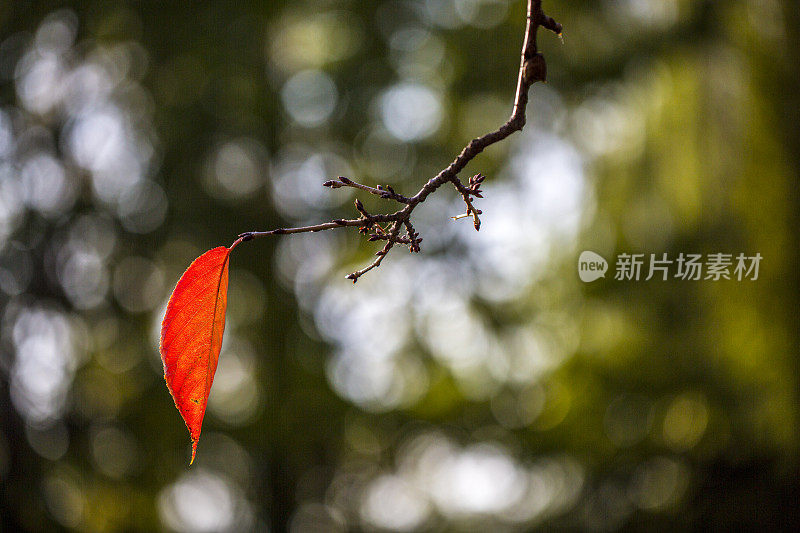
<point x="591" y="266"/>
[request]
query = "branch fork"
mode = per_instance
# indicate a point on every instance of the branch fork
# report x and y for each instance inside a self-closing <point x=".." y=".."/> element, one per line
<point x="388" y="227"/>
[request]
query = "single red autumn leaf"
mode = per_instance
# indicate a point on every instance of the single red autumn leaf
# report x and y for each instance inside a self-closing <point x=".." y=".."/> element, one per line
<point x="191" y="336"/>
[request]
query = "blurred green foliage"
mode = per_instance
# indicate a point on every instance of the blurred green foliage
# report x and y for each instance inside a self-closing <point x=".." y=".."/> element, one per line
<point x="476" y="386"/>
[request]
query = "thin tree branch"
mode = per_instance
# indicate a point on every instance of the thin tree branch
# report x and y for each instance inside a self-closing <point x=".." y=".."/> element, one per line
<point x="386" y="192"/>
<point x="392" y="238"/>
<point x="532" y="69"/>
<point x="467" y="194"/>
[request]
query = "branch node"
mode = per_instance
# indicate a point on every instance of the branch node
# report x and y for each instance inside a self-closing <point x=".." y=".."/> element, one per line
<point x="535" y="69"/>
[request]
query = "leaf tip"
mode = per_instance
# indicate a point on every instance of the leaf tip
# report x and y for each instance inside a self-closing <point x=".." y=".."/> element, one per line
<point x="194" y="451"/>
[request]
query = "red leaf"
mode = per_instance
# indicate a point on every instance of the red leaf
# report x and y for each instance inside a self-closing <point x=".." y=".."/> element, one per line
<point x="191" y="336"/>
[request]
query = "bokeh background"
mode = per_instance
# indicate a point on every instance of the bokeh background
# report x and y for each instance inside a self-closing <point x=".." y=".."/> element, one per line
<point x="476" y="386"/>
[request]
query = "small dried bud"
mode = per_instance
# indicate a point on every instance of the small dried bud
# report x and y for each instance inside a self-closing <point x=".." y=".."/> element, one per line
<point x="477" y="179"/>
<point x="344" y="180"/>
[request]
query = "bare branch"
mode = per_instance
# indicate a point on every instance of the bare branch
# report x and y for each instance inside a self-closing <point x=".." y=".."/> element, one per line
<point x="337" y="223"/>
<point x="467" y="193"/>
<point x="413" y="237"/>
<point x="532" y="69"/>
<point x="384" y="192"/>
<point x="391" y="239"/>
<point x="385" y="237"/>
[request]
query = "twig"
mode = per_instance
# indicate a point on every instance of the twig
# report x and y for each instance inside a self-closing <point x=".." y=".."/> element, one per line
<point x="412" y="236"/>
<point x="532" y="69"/>
<point x="391" y="239"/>
<point x="386" y="192"/>
<point x="466" y="194"/>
